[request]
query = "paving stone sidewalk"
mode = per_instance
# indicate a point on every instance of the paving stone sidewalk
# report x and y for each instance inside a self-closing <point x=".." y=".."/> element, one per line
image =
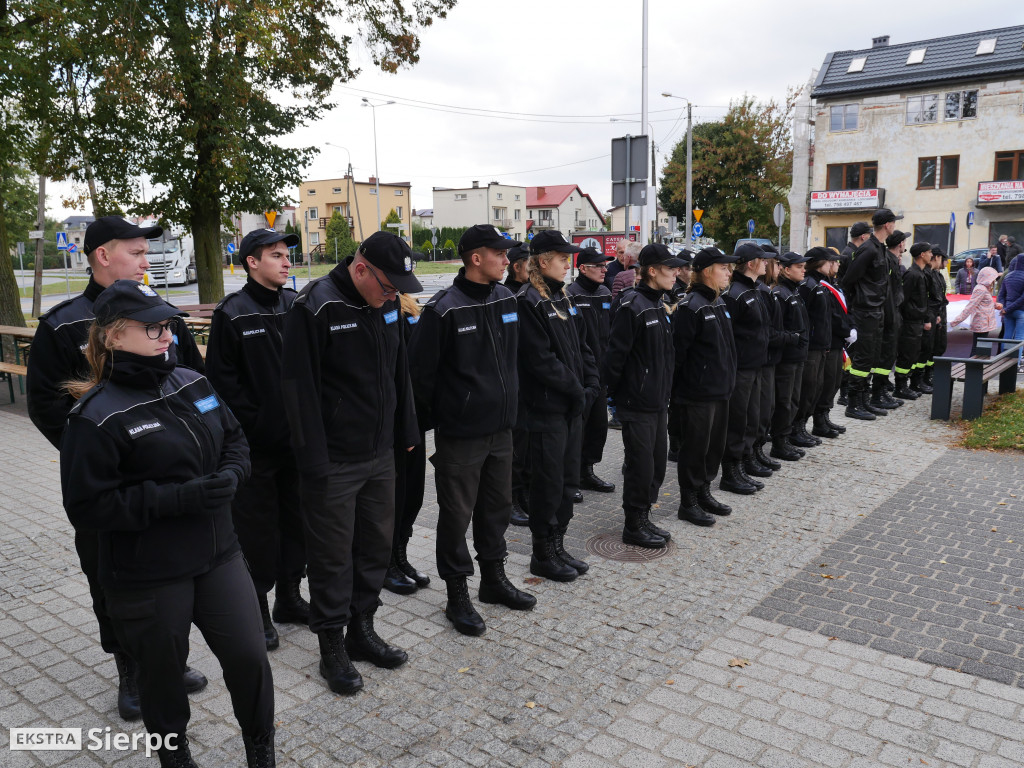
<point x="630" y="664"/>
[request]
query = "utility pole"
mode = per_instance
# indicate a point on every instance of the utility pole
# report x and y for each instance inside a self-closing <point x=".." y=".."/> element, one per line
<point x="644" y="228"/>
<point x="689" y="169"/>
<point x="37" y="290"/>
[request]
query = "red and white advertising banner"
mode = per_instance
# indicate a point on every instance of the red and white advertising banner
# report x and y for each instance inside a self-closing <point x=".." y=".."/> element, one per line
<point x="845" y="199"/>
<point x="604" y="242"/>
<point x="1000" y="192"/>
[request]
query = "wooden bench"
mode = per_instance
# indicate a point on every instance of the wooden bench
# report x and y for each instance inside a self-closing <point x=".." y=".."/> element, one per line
<point x="197" y="310"/>
<point x="8" y="371"/>
<point x="974" y="372"/>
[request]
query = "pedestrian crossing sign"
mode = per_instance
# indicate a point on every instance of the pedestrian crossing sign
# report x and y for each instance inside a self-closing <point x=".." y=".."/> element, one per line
<point x="62" y="241"/>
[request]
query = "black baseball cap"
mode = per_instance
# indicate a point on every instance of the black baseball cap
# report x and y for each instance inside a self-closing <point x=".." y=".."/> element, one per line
<point x="770" y="251"/>
<point x="485" y="236"/>
<point x="748" y="252"/>
<point x="790" y="258"/>
<point x="551" y="240"/>
<point x="860" y="228"/>
<point x="592" y="256"/>
<point x="658" y="255"/>
<point x="819" y="253"/>
<point x="517" y="252"/>
<point x="884" y="216"/>
<point x="261" y="237"/>
<point x="127" y="298"/>
<point x="896" y="238"/>
<point x="937" y="251"/>
<point x="686" y="256"/>
<point x="918" y="248"/>
<point x="708" y="256"/>
<point x="108" y="228"/>
<point x="392" y="256"/>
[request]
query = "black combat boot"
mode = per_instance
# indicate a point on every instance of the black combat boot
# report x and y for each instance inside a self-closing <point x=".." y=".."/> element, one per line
<point x="127" y="687"/>
<point x="742" y="469"/>
<point x="733" y="481"/>
<point x="181" y="757"/>
<point x="927" y="377"/>
<point x="903" y="390"/>
<point x="335" y="665"/>
<point x="709" y="503"/>
<point x="591" y="482"/>
<point x="754" y="468"/>
<point x="460" y="611"/>
<point x="634" y="532"/>
<point x="844" y="389"/>
<point x="520" y="516"/>
<point x="781" y="449"/>
<point x="879" y="399"/>
<point x="832" y="425"/>
<point x="289" y="605"/>
<point x="575" y="563"/>
<point x="856" y="408"/>
<point x="918" y="383"/>
<point x="259" y="751"/>
<point x="546" y="562"/>
<point x="821" y="427"/>
<point x="764" y="459"/>
<point x="577" y="497"/>
<point x="269" y="630"/>
<point x="800" y="438"/>
<point x="645" y="516"/>
<point x="364" y="644"/>
<point x="396" y="581"/>
<point x="496" y="589"/>
<point x="691" y="511"/>
<point x="401" y="556"/>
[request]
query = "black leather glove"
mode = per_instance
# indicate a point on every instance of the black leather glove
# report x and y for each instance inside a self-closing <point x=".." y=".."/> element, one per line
<point x="204" y="495"/>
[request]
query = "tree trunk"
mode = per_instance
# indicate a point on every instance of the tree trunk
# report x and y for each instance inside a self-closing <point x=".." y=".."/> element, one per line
<point x="37" y="283"/>
<point x="209" y="261"/>
<point x="10" y="299"/>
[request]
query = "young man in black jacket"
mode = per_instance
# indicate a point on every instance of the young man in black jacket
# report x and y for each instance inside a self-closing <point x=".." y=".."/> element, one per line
<point x="638" y="368"/>
<point x="917" y="321"/>
<point x="789" y="371"/>
<point x="116" y="250"/>
<point x="518" y="256"/>
<point x="348" y="398"/>
<point x="245" y="368"/>
<point x="881" y="387"/>
<point x="593" y="300"/>
<point x="843" y="333"/>
<point x="463" y="359"/>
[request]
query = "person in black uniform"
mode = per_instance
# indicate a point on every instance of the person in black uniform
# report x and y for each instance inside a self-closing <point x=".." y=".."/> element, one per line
<point x="859" y="233"/>
<point x="750" y="333"/>
<point x="116" y="250"/>
<point x="348" y="398"/>
<point x="518" y="259"/>
<point x="881" y="387"/>
<point x="672" y="299"/>
<point x="558" y="379"/>
<point x="150" y="460"/>
<point x="789" y="372"/>
<point x="842" y="333"/>
<point x="934" y="344"/>
<point x="778" y="338"/>
<point x="245" y="368"/>
<point x="463" y="360"/>
<point x="593" y="300"/>
<point x="818" y="302"/>
<point x="866" y="285"/>
<point x="917" y="320"/>
<point x="705" y="372"/>
<point x="638" y="369"/>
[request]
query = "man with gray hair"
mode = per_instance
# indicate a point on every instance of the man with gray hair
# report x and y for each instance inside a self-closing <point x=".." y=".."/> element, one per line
<point x="626" y="253"/>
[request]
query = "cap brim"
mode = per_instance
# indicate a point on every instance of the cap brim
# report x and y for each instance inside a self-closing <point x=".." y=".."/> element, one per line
<point x="601" y="260"/>
<point x="566" y="248"/>
<point x="794" y="262"/>
<point x="406" y="283"/>
<point x="673" y="262"/>
<point x="150" y="233"/>
<point x="504" y="245"/>
<point x="154" y="314"/>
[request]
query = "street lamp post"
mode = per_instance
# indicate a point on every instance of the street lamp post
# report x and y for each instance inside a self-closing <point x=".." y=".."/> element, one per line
<point x="376" y="169"/>
<point x="689" y="161"/>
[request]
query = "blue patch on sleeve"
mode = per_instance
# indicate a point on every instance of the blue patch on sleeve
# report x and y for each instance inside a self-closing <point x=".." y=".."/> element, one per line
<point x="413" y="319"/>
<point x="510" y="317"/>
<point x="390" y="317"/>
<point x="207" y="404"/>
<point x="606" y="305"/>
<point x="728" y="315"/>
<point x="174" y="337"/>
<point x="572" y="310"/>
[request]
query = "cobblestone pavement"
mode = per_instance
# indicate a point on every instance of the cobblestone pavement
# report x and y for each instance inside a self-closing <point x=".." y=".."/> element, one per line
<point x="629" y="665"/>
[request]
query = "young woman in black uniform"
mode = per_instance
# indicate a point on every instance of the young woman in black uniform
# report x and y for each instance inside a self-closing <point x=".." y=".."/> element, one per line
<point x="789" y="371"/>
<point x="151" y="459"/>
<point x="705" y="373"/>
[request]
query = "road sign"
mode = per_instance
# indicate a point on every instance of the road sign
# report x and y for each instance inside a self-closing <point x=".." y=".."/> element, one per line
<point x="36" y="234"/>
<point x="72" y="247"/>
<point x="750" y="227"/>
<point x="693" y="237"/>
<point x="21" y="248"/>
<point x="433" y="240"/>
<point x="779" y="214"/>
<point x="62" y="241"/>
<point x="698" y="229"/>
<point x="952" y="222"/>
<point x="231" y="248"/>
<point x="697" y="213"/>
<point x="529" y="236"/>
<point x="970" y="219"/>
<point x="271" y="217"/>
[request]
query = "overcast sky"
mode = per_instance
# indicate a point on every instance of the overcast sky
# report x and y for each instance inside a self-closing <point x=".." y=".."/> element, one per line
<point x="551" y="72"/>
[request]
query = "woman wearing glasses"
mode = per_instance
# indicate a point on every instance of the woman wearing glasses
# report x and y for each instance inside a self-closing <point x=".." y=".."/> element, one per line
<point x="150" y="459"/>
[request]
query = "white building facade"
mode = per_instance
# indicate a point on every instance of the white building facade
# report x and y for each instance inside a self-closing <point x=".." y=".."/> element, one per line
<point x="502" y="205"/>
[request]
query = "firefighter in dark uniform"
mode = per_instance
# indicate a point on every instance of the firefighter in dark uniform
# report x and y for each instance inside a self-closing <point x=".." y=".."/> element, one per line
<point x="842" y="334"/>
<point x="463" y="358"/>
<point x="150" y="460"/>
<point x="789" y="372"/>
<point x="593" y="301"/>
<point x="116" y="250"/>
<point x="672" y="299"/>
<point x="866" y="285"/>
<point x="935" y="344"/>
<point x="917" y="321"/>
<point x="705" y="372"/>
<point x="881" y="387"/>
<point x="778" y="338"/>
<point x="348" y="398"/>
<point x="638" y="368"/>
<point x="518" y="258"/>
<point x="750" y="333"/>
<point x="558" y="381"/>
<point x="245" y="368"/>
<point x="859" y="233"/>
<point x="819" y="343"/>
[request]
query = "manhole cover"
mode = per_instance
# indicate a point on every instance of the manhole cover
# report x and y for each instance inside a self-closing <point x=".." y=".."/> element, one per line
<point x="610" y="547"/>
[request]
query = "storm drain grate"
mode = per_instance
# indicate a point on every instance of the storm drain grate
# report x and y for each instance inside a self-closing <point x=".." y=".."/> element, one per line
<point x="610" y="547"/>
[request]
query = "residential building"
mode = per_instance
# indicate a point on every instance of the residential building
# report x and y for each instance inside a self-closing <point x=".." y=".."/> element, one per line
<point x="424" y="217"/>
<point x="75" y="227"/>
<point x="357" y="201"/>
<point x="617" y="219"/>
<point x="933" y="129"/>
<point x="564" y="207"/>
<point x="503" y="205"/>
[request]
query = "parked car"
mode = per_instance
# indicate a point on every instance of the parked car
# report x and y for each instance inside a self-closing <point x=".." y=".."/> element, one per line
<point x="958" y="261"/>
<point x="758" y="241"/>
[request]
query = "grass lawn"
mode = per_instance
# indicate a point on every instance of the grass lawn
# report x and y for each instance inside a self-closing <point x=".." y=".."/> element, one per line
<point x="1000" y="426"/>
<point x="51" y="289"/>
<point x="422" y="268"/>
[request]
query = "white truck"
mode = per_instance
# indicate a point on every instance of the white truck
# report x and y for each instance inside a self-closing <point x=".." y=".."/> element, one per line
<point x="172" y="262"/>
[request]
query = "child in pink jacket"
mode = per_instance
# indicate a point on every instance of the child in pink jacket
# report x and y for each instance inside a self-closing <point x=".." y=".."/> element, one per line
<point x="982" y="309"/>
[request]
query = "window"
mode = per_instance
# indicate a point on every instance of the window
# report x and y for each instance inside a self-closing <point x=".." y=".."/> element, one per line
<point x="857" y="65"/>
<point x="517" y="214"/>
<point x="498" y="195"/>
<point x="499" y="214"/>
<point x="460" y="195"/>
<point x="922" y="109"/>
<point x="950" y="171"/>
<point x="1010" y="166"/>
<point x="399" y="192"/>
<point x="545" y="215"/>
<point x="986" y="46"/>
<point x="373" y="190"/>
<point x="961" y="105"/>
<point x="311" y="192"/>
<point x="314" y="214"/>
<point x="852" y="176"/>
<point x="836" y="237"/>
<point x="517" y="198"/>
<point x="916" y="56"/>
<point x="336" y="191"/>
<point x="843" y="117"/>
<point x="398" y="211"/>
<point x="314" y="238"/>
<point x="926" y="171"/>
<point x="935" y="234"/>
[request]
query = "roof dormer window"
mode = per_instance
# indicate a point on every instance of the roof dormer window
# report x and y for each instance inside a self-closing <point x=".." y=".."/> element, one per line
<point x="857" y="65"/>
<point x="916" y="56"/>
<point x="986" y="46"/>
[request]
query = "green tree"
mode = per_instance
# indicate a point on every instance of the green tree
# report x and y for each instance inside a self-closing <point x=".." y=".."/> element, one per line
<point x="339" y="237"/>
<point x="391" y="218"/>
<point x="742" y="167"/>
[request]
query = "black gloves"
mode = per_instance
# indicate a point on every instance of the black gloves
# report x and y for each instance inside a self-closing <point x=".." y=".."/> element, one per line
<point x="204" y="495"/>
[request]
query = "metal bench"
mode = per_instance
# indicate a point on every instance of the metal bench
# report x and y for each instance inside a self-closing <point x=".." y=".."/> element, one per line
<point x="974" y="372"/>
